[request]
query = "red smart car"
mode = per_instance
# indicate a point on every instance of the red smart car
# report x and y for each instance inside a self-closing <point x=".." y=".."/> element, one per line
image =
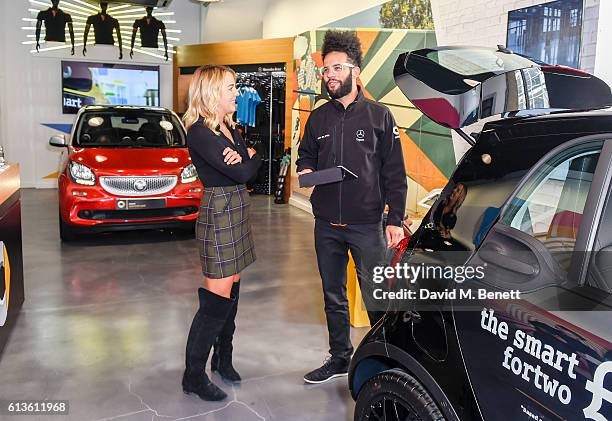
<point x="125" y="168"/>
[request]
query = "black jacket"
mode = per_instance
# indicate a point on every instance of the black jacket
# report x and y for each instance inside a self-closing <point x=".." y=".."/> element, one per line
<point x="55" y="26"/>
<point x="103" y="29"/>
<point x="206" y="151"/>
<point x="364" y="139"/>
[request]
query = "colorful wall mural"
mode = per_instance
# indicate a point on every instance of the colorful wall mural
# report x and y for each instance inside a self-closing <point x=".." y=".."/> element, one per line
<point x="427" y="147"/>
<point x="393" y="14"/>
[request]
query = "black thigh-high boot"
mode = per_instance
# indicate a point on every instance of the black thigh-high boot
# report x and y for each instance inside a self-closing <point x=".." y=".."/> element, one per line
<point x="205" y="327"/>
<point x="221" y="360"/>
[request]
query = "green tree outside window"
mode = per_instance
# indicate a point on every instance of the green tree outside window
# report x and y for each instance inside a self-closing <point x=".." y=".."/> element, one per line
<point x="406" y="14"/>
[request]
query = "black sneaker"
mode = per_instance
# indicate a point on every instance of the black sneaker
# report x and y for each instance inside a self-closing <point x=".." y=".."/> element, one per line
<point x="331" y="368"/>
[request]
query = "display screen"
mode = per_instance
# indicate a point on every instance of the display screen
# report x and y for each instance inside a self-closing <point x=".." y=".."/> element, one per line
<point x="548" y="32"/>
<point x="86" y="83"/>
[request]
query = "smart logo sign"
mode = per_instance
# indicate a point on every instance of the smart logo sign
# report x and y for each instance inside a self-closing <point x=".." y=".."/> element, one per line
<point x="522" y="344"/>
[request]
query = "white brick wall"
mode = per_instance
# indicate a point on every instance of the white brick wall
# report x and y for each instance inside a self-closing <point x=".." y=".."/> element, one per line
<point x="602" y="61"/>
<point x="590" y="22"/>
<point x="484" y="22"/>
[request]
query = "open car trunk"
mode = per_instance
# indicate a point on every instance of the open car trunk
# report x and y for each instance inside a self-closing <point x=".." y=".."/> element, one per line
<point x="458" y="86"/>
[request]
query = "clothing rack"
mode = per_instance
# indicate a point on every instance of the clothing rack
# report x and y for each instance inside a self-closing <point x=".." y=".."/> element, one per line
<point x="267" y="137"/>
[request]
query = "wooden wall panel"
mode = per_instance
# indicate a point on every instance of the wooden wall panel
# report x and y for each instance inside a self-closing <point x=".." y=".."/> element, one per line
<point x="9" y="181"/>
<point x="263" y="51"/>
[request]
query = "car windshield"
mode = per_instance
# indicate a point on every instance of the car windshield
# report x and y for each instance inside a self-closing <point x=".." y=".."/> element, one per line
<point x="475" y="61"/>
<point x="129" y="128"/>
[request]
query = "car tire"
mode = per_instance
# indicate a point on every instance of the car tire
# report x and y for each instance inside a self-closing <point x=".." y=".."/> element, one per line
<point x="67" y="234"/>
<point x="395" y="395"/>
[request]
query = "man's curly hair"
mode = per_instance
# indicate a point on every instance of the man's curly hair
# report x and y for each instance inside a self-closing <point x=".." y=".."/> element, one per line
<point x="343" y="42"/>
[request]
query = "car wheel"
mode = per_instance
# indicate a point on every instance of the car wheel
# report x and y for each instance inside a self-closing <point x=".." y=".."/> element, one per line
<point x="394" y="395"/>
<point x="66" y="232"/>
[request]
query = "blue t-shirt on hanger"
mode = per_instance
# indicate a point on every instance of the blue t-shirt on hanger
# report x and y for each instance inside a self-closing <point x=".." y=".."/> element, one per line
<point x="246" y="105"/>
<point x="254" y="102"/>
<point x="242" y="105"/>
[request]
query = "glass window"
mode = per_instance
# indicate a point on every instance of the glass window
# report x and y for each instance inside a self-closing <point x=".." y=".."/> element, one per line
<point x="549" y="206"/>
<point x="573" y="18"/>
<point x="475" y="61"/>
<point x="549" y="33"/>
<point x="129" y="128"/>
<point x="600" y="258"/>
<point x="536" y="88"/>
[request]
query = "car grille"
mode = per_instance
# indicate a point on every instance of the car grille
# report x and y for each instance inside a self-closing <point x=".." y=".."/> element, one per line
<point x="102" y="215"/>
<point x="138" y="186"/>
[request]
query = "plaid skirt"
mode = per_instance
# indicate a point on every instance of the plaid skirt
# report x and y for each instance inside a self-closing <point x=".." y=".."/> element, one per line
<point x="223" y="231"/>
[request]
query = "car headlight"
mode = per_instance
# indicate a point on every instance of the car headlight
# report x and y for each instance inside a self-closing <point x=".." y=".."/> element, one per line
<point x="81" y="174"/>
<point x="189" y="174"/>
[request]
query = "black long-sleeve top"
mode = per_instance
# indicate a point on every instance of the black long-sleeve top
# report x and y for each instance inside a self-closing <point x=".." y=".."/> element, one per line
<point x="206" y="150"/>
<point x="363" y="138"/>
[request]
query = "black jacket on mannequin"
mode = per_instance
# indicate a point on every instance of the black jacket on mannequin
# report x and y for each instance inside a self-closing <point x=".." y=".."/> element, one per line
<point x="149" y="31"/>
<point x="55" y="25"/>
<point x="103" y="28"/>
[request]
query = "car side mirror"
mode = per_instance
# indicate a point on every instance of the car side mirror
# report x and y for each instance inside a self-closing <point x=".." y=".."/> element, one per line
<point x="58" y="140"/>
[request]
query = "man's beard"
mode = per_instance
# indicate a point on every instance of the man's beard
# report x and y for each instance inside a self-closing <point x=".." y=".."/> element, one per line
<point x="345" y="88"/>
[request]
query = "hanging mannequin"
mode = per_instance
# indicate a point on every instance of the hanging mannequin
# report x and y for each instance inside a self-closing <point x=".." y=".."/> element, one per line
<point x="104" y="25"/>
<point x="55" y="20"/>
<point x="149" y="30"/>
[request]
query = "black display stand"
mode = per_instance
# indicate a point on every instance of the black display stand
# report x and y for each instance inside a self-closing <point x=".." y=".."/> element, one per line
<point x="268" y="135"/>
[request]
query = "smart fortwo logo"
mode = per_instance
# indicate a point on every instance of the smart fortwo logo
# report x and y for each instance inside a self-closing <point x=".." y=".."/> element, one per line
<point x="5" y="283"/>
<point x="600" y="393"/>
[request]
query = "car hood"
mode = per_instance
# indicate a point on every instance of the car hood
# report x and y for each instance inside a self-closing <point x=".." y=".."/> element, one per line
<point x="137" y="161"/>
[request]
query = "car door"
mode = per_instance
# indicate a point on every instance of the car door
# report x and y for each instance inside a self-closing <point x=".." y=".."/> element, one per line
<point x="546" y="356"/>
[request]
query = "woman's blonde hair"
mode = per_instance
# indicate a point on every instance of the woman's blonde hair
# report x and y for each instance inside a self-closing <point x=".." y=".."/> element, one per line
<point x="204" y="93"/>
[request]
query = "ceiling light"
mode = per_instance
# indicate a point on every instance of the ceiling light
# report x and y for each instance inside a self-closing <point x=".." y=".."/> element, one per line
<point x="61" y="47"/>
<point x="123" y="6"/>
<point x="143" y="3"/>
<point x="149" y="53"/>
<point x="75" y="7"/>
<point x="88" y="5"/>
<point x="125" y="11"/>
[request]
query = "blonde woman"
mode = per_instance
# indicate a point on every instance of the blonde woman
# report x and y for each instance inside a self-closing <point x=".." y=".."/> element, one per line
<point x="224" y="164"/>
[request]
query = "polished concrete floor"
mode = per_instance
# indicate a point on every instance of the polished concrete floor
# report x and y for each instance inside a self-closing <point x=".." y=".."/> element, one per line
<point x="105" y="322"/>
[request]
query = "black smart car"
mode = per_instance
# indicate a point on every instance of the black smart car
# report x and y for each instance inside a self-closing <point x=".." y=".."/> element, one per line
<point x="529" y="202"/>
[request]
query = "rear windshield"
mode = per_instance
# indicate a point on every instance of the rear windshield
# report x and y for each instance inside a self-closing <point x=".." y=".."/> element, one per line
<point x="125" y="128"/>
<point x="475" y="61"/>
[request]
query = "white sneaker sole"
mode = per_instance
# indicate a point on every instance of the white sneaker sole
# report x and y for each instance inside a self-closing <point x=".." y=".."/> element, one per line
<point x="326" y="380"/>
